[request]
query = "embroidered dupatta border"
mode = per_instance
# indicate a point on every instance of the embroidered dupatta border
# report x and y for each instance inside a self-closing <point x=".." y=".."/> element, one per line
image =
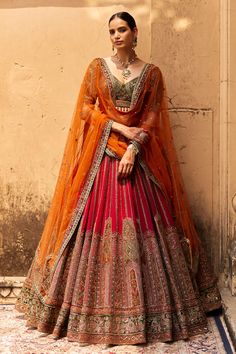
<point x="78" y="211"/>
<point x="86" y="189"/>
<point x="140" y="84"/>
<point x="152" y="177"/>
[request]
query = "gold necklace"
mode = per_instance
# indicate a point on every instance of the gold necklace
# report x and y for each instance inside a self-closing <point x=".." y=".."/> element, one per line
<point x="126" y="72"/>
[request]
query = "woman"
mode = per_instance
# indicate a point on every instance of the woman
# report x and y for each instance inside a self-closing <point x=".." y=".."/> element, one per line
<point x="119" y="261"/>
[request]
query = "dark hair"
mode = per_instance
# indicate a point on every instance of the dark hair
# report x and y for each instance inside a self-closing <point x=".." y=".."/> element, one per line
<point x="125" y="16"/>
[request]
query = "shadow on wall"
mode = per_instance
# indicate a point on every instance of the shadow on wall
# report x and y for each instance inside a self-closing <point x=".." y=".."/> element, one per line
<point x="160" y="8"/>
<point x="23" y="219"/>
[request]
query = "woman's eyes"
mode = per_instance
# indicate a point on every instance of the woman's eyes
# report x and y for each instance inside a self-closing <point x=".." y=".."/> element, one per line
<point x="122" y="30"/>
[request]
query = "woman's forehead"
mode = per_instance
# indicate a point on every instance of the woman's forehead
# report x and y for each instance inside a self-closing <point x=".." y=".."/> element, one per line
<point x="117" y="22"/>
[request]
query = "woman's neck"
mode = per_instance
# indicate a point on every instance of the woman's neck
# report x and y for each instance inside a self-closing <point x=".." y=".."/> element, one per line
<point x="125" y="55"/>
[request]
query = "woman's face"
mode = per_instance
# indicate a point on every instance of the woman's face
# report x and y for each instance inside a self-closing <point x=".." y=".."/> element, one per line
<point x="120" y="33"/>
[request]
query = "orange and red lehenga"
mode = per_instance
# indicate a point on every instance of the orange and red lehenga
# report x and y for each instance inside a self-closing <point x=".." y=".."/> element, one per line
<point x="119" y="261"/>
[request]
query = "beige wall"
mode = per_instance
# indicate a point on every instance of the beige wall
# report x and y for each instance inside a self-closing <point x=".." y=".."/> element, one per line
<point x="230" y="155"/>
<point x="46" y="47"/>
<point x="186" y="43"/>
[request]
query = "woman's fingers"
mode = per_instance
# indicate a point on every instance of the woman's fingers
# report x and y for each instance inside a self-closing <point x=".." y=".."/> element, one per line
<point x="129" y="170"/>
<point x="124" y="169"/>
<point x="120" y="168"/>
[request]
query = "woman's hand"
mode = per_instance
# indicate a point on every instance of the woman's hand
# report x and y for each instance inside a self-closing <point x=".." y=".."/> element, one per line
<point x="137" y="134"/>
<point x="126" y="164"/>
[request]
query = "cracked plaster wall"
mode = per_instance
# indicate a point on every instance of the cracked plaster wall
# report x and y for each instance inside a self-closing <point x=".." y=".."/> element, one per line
<point x="47" y="46"/>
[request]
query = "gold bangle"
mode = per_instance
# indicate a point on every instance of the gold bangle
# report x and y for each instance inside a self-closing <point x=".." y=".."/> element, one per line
<point x="133" y="147"/>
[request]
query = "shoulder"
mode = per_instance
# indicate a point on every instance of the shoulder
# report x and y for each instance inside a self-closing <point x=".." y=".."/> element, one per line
<point x="94" y="63"/>
<point x="155" y="75"/>
<point x="156" y="78"/>
<point x="155" y="69"/>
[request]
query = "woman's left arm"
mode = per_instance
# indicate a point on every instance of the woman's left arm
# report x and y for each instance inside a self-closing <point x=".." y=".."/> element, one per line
<point x="148" y="124"/>
<point x="152" y="103"/>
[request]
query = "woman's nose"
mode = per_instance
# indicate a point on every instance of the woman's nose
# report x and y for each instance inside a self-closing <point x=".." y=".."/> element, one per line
<point x="117" y="35"/>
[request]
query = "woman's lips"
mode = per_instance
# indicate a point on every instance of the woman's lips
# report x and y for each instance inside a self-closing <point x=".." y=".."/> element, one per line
<point x="119" y="42"/>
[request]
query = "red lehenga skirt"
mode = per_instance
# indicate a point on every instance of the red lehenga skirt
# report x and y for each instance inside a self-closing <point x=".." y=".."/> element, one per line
<point x="123" y="277"/>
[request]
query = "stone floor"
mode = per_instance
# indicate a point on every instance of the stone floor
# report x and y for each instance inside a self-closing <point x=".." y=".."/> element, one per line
<point x="16" y="338"/>
<point x="229" y="305"/>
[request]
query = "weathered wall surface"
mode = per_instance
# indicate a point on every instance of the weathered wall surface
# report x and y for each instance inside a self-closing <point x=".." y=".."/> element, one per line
<point x="185" y="44"/>
<point x="47" y="46"/>
<point x="230" y="132"/>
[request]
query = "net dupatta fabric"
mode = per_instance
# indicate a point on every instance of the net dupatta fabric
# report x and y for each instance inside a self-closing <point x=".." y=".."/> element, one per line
<point x="89" y="135"/>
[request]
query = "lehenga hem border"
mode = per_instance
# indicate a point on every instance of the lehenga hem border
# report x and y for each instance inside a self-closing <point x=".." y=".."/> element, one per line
<point x="139" y="338"/>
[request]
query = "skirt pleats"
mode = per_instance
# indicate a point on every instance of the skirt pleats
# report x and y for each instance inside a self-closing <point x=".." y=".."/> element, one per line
<point x="124" y="277"/>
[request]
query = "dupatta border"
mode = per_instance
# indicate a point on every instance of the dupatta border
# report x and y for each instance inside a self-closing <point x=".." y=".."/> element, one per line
<point x="149" y="173"/>
<point x="77" y="213"/>
<point x="107" y="74"/>
<point x="140" y="84"/>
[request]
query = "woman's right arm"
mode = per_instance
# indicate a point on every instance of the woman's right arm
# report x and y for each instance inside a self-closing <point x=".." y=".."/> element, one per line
<point x="88" y="97"/>
<point x="132" y="133"/>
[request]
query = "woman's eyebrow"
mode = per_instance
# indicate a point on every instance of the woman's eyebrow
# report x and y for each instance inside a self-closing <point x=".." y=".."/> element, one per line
<point x="112" y="29"/>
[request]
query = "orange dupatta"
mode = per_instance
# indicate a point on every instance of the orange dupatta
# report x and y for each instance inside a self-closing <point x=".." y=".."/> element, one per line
<point x="89" y="134"/>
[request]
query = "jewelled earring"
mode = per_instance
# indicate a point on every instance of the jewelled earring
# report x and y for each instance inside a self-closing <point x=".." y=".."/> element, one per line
<point x="134" y="42"/>
<point x="113" y="50"/>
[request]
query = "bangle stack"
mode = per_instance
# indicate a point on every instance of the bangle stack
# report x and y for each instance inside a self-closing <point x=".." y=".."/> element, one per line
<point x="133" y="148"/>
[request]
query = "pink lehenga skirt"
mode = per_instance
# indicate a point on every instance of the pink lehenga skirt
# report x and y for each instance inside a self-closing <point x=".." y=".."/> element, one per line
<point x="123" y="277"/>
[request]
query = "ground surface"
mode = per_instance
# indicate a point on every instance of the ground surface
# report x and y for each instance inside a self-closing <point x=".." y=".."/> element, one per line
<point x="16" y="338"/>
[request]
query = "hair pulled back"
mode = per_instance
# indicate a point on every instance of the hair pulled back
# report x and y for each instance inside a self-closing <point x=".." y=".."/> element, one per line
<point x="125" y="16"/>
